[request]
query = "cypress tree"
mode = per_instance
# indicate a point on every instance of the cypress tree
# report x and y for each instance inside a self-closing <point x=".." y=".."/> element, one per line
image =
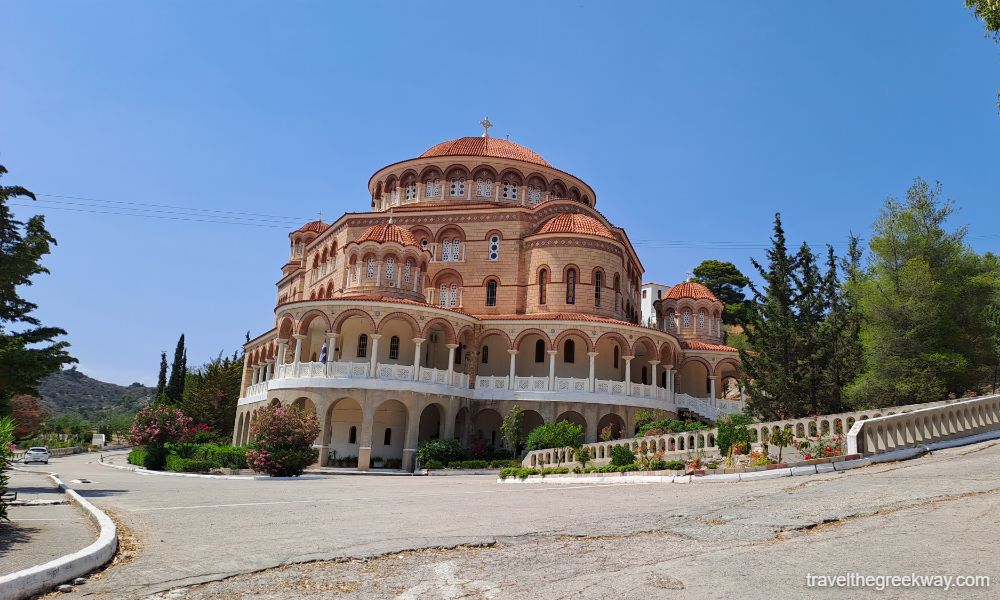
<point x="161" y="381"/>
<point x="175" y="384"/>
<point x="811" y="356"/>
<point x="770" y="368"/>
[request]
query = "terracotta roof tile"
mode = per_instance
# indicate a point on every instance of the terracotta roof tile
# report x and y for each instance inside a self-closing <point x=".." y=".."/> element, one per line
<point x="690" y="289"/>
<point x="690" y="345"/>
<point x="316" y="226"/>
<point x="576" y="223"/>
<point x="388" y="232"/>
<point x="485" y="146"/>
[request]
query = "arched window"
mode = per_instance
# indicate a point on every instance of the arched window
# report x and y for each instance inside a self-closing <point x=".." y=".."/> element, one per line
<point x="352" y="437"/>
<point x="598" y="282"/>
<point x="645" y="376"/>
<point x="494" y="247"/>
<point x="453" y="295"/>
<point x="411" y="191"/>
<point x="371" y="267"/>
<point x="509" y="190"/>
<point x="571" y="286"/>
<point x="457" y="187"/>
<point x="484" y="188"/>
<point x="687" y="319"/>
<point x="444" y="295"/>
<point x="491" y="292"/>
<point x="542" y="276"/>
<point x="615" y="355"/>
<point x="539" y="351"/>
<point x="701" y="320"/>
<point x="534" y="194"/>
<point x="390" y="268"/>
<point x="432" y="188"/>
<point x="569" y="351"/>
<point x="394" y="348"/>
<point x="446" y="255"/>
<point x="455" y="247"/>
<point x="485" y="354"/>
<point x="387" y="437"/>
<point x="407" y="270"/>
<point x="362" y="345"/>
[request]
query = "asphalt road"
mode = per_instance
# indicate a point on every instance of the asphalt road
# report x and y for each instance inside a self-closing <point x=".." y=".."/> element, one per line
<point x="937" y="515"/>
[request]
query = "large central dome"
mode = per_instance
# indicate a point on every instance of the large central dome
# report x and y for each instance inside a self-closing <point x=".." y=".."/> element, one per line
<point x="485" y="146"/>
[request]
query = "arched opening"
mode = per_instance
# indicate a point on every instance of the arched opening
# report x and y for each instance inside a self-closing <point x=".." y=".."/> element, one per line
<point x="493" y="357"/>
<point x="390" y="422"/>
<point x="574" y="417"/>
<point x="531" y="347"/>
<point x="694" y="379"/>
<point x="610" y="427"/>
<point x="430" y="423"/>
<point x="343" y="424"/>
<point x="462" y="426"/>
<point x="487" y="427"/>
<point x="531" y="420"/>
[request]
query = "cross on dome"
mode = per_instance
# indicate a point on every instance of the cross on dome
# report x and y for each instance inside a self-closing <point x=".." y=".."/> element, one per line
<point x="486" y="126"/>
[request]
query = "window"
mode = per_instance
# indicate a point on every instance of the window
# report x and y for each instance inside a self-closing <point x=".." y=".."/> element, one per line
<point x="663" y="379"/>
<point x="509" y="190"/>
<point x="491" y="292"/>
<point x="446" y="255"/>
<point x="432" y="188"/>
<point x="423" y="244"/>
<point x="542" y="275"/>
<point x="598" y="282"/>
<point x="387" y="437"/>
<point x="407" y="270"/>
<point x="390" y="268"/>
<point x="687" y="319"/>
<point x="453" y="296"/>
<point x="455" y="249"/>
<point x="353" y="436"/>
<point x="494" y="247"/>
<point x="371" y="268"/>
<point x="701" y="320"/>
<point x="298" y="248"/>
<point x="394" y="196"/>
<point x="458" y="353"/>
<point x="457" y="187"/>
<point x="571" y="286"/>
<point x="394" y="348"/>
<point x="644" y="293"/>
<point x="534" y="194"/>
<point x="659" y="294"/>
<point x="539" y="351"/>
<point x="363" y="345"/>
<point x="615" y="356"/>
<point x="484" y="188"/>
<point x="569" y="351"/>
<point x="444" y="295"/>
<point x="411" y="191"/>
<point x="485" y="354"/>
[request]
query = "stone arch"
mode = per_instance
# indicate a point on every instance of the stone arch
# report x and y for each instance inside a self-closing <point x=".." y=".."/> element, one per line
<point x="390" y="416"/>
<point x="449" y="330"/>
<point x="498" y="332"/>
<point x="575" y="333"/>
<point x="533" y="330"/>
<point x="732" y="362"/>
<point x="306" y="320"/>
<point x="431" y="423"/>
<point x="339" y="320"/>
<point x="483" y="170"/>
<point x="402" y="316"/>
<point x="430" y="171"/>
<point x="615" y="421"/>
<point x="486" y="425"/>
<point x="531" y="420"/>
<point x="286" y="326"/>
<point x="574" y="417"/>
<point x="623" y="344"/>
<point x="651" y="347"/>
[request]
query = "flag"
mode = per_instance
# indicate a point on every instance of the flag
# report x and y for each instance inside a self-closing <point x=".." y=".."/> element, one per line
<point x="322" y="354"/>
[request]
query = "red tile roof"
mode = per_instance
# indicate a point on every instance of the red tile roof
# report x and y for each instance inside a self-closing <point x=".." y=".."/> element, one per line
<point x="689" y="345"/>
<point x="690" y="289"/>
<point x="388" y="232"/>
<point x="316" y="226"/>
<point x="576" y="223"/>
<point x="485" y="146"/>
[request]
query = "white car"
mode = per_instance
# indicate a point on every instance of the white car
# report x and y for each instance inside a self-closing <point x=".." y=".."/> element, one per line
<point x="37" y="454"/>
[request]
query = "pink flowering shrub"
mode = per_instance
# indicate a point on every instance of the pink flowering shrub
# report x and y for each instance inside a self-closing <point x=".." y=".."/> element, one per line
<point x="156" y="426"/>
<point x="281" y="441"/>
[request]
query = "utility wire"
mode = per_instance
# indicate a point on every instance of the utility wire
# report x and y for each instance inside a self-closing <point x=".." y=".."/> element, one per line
<point x="211" y="210"/>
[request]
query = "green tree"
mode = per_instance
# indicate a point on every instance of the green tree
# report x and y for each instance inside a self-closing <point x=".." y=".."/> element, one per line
<point x="161" y="381"/>
<point x="6" y="442"/>
<point x="28" y="354"/>
<point x="560" y="434"/>
<point x="923" y="302"/>
<point x="115" y="424"/>
<point x="770" y="369"/>
<point x="178" y="374"/>
<point x="211" y="392"/>
<point x="510" y="428"/>
<point x="727" y="283"/>
<point x="992" y="319"/>
<point x="989" y="12"/>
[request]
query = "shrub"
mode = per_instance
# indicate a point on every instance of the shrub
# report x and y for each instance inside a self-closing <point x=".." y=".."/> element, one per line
<point x="555" y="435"/>
<point x="282" y="441"/>
<point x="503" y="463"/>
<point x="229" y="457"/>
<point x="733" y="431"/>
<point x="674" y="465"/>
<point x="442" y="451"/>
<point x="432" y="464"/>
<point x="137" y="457"/>
<point x="156" y="426"/>
<point x="6" y="455"/>
<point x="468" y="464"/>
<point x="670" y="426"/>
<point x="781" y="438"/>
<point x="621" y="455"/>
<point x="554" y="471"/>
<point x="582" y="456"/>
<point x="179" y="464"/>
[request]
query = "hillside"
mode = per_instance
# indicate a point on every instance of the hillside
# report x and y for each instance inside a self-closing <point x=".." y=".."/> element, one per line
<point x="71" y="391"/>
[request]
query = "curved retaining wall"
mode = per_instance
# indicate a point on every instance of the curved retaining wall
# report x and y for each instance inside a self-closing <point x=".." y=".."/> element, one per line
<point x="919" y="427"/>
<point x="44" y="577"/>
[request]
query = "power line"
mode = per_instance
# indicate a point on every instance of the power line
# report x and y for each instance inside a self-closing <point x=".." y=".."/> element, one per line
<point x="210" y="210"/>
<point x="146" y="211"/>
<point x="108" y="212"/>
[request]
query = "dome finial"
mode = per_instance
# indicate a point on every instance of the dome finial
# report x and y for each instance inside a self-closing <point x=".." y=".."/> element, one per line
<point x="486" y="126"/>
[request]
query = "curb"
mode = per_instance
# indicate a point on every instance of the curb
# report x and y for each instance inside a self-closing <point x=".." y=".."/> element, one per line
<point x="142" y="471"/>
<point x="795" y="471"/>
<point x="42" y="578"/>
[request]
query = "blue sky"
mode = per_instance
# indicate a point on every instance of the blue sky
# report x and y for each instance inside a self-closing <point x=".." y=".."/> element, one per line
<point x="694" y="122"/>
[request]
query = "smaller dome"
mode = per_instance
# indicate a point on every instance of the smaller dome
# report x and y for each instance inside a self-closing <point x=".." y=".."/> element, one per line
<point x="314" y="227"/>
<point x="387" y="232"/>
<point x="690" y="289"/>
<point x="576" y="223"/>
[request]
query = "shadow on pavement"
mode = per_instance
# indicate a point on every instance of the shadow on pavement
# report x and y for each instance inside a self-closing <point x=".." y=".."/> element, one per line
<point x="12" y="536"/>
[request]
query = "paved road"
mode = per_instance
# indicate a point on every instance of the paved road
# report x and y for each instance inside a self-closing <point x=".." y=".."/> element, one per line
<point x="934" y="515"/>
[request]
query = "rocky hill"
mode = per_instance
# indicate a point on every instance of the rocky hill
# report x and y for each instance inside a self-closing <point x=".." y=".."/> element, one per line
<point x="71" y="391"/>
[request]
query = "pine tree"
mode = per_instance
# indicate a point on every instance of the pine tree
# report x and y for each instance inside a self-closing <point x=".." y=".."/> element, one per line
<point x="811" y="354"/>
<point x="178" y="370"/>
<point x="161" y="382"/>
<point x="29" y="354"/>
<point x="770" y="367"/>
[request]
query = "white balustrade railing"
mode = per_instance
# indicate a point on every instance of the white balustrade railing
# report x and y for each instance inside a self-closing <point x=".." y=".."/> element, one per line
<point x="492" y="382"/>
<point x="609" y="386"/>
<point x="257" y="388"/>
<point x="531" y="384"/>
<point x="572" y="385"/>
<point x="391" y="371"/>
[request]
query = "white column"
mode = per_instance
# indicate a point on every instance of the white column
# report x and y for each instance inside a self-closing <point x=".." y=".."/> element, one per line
<point x="282" y="350"/>
<point x="552" y="369"/>
<point x="256" y="375"/>
<point x="670" y="383"/>
<point x="373" y="369"/>
<point x="269" y="370"/>
<point x="591" y="386"/>
<point x="711" y="393"/>
<point x="331" y="352"/>
<point x="451" y="360"/>
<point x="298" y="353"/>
<point x="416" y="358"/>
<point x="628" y="375"/>
<point x="513" y="368"/>
<point x="653" y="364"/>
